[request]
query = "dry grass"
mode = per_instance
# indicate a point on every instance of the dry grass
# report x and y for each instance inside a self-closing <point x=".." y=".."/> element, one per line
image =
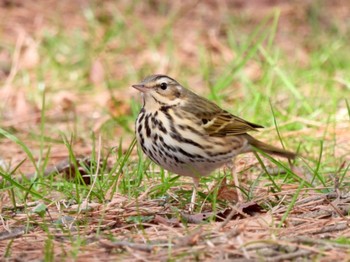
<point x="315" y="220"/>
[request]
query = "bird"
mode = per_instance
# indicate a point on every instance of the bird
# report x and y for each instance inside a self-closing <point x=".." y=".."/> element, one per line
<point x="190" y="135"/>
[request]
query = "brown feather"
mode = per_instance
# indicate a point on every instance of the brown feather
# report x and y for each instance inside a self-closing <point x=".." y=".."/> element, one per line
<point x="221" y="122"/>
<point x="269" y="149"/>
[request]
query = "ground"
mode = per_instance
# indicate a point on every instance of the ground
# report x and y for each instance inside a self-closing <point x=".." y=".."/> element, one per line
<point x="75" y="186"/>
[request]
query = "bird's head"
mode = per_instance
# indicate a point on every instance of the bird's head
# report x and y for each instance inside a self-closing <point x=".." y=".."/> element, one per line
<point x="161" y="90"/>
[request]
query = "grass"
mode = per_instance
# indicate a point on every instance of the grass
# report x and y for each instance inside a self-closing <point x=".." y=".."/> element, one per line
<point x="299" y="100"/>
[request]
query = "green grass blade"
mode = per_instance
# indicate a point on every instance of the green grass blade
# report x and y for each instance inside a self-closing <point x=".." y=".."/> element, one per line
<point x="123" y="163"/>
<point x="245" y="55"/>
<point x="22" y="145"/>
<point x="275" y="124"/>
<point x="280" y="73"/>
<point x="348" y="107"/>
<point x="284" y="167"/>
<point x="291" y="205"/>
<point x="318" y="165"/>
<point x="21" y="187"/>
<point x="274" y="28"/>
<point x="267" y="172"/>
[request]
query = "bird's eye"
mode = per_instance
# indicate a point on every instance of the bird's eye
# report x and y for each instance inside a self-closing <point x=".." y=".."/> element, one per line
<point x="163" y="86"/>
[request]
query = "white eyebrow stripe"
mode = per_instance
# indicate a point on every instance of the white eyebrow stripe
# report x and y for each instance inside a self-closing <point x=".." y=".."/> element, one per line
<point x="162" y="80"/>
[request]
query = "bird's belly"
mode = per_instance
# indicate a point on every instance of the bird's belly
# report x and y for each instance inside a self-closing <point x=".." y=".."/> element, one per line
<point x="183" y="159"/>
<point x="182" y="151"/>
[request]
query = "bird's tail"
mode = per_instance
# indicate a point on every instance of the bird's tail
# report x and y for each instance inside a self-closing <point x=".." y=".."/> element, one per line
<point x="270" y="149"/>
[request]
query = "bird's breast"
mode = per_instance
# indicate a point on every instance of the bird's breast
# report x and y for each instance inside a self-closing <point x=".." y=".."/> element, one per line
<point x="177" y="142"/>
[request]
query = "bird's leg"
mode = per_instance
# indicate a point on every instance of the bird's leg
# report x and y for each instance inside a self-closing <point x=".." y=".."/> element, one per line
<point x="194" y="194"/>
<point x="232" y="167"/>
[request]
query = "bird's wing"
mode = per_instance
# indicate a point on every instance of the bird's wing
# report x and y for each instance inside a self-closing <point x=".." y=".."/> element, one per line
<point x="226" y="124"/>
<point x="218" y="122"/>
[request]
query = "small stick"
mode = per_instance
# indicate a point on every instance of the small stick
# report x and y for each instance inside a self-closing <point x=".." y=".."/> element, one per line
<point x="236" y="181"/>
<point x="125" y="244"/>
<point x="194" y="194"/>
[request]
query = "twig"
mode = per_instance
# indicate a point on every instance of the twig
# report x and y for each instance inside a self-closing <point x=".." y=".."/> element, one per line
<point x="190" y="239"/>
<point x="13" y="233"/>
<point x="19" y="206"/>
<point x="332" y="228"/>
<point x="232" y="167"/>
<point x="331" y="195"/>
<point x="244" y="250"/>
<point x="338" y="211"/>
<point x="123" y="244"/>
<point x="289" y="256"/>
<point x="15" y="59"/>
<point x="303" y="239"/>
<point x="233" y="212"/>
<point x="186" y="241"/>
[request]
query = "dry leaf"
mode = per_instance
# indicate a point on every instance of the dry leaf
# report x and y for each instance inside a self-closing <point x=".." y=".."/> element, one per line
<point x="67" y="168"/>
<point x="216" y="45"/>
<point x="118" y="107"/>
<point x="166" y="221"/>
<point x="299" y="172"/>
<point x="12" y="233"/>
<point x="21" y="104"/>
<point x="241" y="211"/>
<point x="196" y="218"/>
<point x="227" y="192"/>
<point x="65" y="101"/>
<point x="5" y="63"/>
<point x="261" y="221"/>
<point x="21" y="107"/>
<point x="253" y="71"/>
<point x="30" y="55"/>
<point x="97" y="73"/>
<point x="84" y="206"/>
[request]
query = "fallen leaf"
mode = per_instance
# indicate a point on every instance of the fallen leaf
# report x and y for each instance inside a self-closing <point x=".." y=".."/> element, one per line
<point x="97" y="73"/>
<point x="22" y="108"/>
<point x="118" y="107"/>
<point x="66" y="101"/>
<point x="85" y="165"/>
<point x="5" y="63"/>
<point x="196" y="218"/>
<point x="189" y="240"/>
<point x="253" y="71"/>
<point x="12" y="233"/>
<point x="30" y="55"/>
<point x="300" y="172"/>
<point x="240" y="211"/>
<point x="166" y="221"/>
<point x="227" y="192"/>
<point x="40" y="209"/>
<point x="84" y="206"/>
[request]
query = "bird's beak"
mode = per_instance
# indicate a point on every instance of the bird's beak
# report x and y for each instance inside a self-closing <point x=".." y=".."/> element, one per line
<point x="141" y="88"/>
